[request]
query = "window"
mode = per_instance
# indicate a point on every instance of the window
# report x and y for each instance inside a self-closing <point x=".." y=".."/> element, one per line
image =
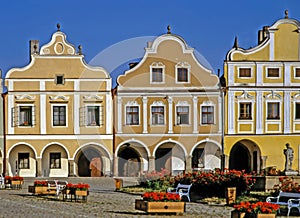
<point x="93" y="116"/>
<point x="23" y="160"/>
<point x="273" y="72"/>
<point x="55" y="160"/>
<point x="158" y="117"/>
<point x="207" y="115"/>
<point x="245" y="111"/>
<point x="59" y="115"/>
<point x="273" y="110"/>
<point x="297" y="72"/>
<point x="182" y="74"/>
<point x="59" y="80"/>
<point x="182" y="115"/>
<point x="25" y="116"/>
<point x="157" y="74"/>
<point x="244" y="72"/>
<point x="297" y="110"/>
<point x="132" y="115"/>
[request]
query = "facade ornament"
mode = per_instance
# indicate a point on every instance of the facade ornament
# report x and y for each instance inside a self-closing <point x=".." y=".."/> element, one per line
<point x="22" y="97"/>
<point x="80" y="49"/>
<point x="169" y="29"/>
<point x="58" y="27"/>
<point x="57" y="97"/>
<point x="286" y="12"/>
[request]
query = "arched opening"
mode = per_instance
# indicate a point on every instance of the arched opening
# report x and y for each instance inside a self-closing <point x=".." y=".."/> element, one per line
<point x="170" y="156"/>
<point x="240" y="158"/>
<point x="129" y="162"/>
<point x="90" y="163"/>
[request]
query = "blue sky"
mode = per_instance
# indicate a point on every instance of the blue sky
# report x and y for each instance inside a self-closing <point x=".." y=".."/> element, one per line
<point x="207" y="26"/>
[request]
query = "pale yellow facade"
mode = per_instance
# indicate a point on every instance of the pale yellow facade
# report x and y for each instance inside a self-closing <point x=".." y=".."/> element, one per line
<point x="167" y="112"/>
<point x="58" y="114"/>
<point x="262" y="104"/>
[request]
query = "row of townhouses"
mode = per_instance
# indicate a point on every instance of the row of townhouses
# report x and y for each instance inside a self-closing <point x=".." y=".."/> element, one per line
<point x="62" y="118"/>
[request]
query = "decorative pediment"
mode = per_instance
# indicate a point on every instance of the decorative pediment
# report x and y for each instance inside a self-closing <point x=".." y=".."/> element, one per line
<point x="296" y="96"/>
<point x="59" y="97"/>
<point x="132" y="103"/>
<point x="24" y="97"/>
<point x="205" y="103"/>
<point x="245" y="95"/>
<point x="273" y="96"/>
<point x="92" y="97"/>
<point x="157" y="103"/>
<point x="184" y="103"/>
<point x="58" y="45"/>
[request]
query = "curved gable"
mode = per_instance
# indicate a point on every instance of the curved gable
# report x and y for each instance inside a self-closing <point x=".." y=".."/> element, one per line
<point x="170" y="51"/>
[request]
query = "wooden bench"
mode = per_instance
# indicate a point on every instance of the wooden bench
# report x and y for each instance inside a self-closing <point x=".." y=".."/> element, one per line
<point x="182" y="190"/>
<point x="289" y="199"/>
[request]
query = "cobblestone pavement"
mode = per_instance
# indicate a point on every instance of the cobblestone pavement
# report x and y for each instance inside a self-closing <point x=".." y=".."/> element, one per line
<point x="103" y="201"/>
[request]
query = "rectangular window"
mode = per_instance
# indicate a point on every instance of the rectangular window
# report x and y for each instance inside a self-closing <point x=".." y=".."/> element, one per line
<point x="182" y="115"/>
<point x="182" y="74"/>
<point x="59" y="80"/>
<point x="297" y="72"/>
<point x="207" y="115"/>
<point x="23" y="160"/>
<point x="59" y="115"/>
<point x="244" y="72"/>
<point x="273" y="110"/>
<point x="132" y="115"/>
<point x="157" y="74"/>
<point x="25" y="116"/>
<point x="245" y="111"/>
<point x="273" y="72"/>
<point x="55" y="160"/>
<point x="297" y="110"/>
<point x="93" y="116"/>
<point x="158" y="117"/>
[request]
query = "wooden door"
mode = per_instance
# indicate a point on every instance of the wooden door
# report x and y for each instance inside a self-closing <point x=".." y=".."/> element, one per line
<point x="95" y="167"/>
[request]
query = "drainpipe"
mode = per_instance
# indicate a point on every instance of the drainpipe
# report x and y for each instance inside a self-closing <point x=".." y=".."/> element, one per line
<point x="4" y="132"/>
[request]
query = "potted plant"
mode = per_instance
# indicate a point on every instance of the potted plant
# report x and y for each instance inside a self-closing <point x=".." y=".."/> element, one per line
<point x="80" y="190"/>
<point x="39" y="187"/>
<point x="255" y="210"/>
<point x="160" y="202"/>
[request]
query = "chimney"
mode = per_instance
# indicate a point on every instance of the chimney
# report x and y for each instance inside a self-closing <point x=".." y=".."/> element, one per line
<point x="34" y="47"/>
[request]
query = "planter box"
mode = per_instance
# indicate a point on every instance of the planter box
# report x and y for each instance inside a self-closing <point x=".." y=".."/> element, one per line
<point x="160" y="207"/>
<point x="16" y="182"/>
<point x="272" y="215"/>
<point x="39" y="190"/>
<point x="237" y="214"/>
<point x="81" y="192"/>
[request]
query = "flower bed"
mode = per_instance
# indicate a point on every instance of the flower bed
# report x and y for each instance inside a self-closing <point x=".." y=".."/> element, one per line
<point x="252" y="209"/>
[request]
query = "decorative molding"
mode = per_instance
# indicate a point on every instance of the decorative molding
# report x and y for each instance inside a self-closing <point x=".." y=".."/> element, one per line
<point x="132" y="103"/>
<point x="245" y="95"/>
<point x="184" y="103"/>
<point x="92" y="97"/>
<point x="157" y="103"/>
<point x="273" y="95"/>
<point x="57" y="97"/>
<point x="23" y="97"/>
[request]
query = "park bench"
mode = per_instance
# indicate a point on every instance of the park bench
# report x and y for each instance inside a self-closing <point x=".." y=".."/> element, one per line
<point x="182" y="190"/>
<point x="289" y="199"/>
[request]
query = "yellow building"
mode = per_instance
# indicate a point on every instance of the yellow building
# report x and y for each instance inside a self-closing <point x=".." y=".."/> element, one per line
<point x="263" y="99"/>
<point x="58" y="114"/>
<point x="167" y="112"/>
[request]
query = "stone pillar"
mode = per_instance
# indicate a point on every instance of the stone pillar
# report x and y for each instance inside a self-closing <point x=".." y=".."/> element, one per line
<point x="226" y="161"/>
<point x="39" y="170"/>
<point x="119" y="109"/>
<point x="145" y="112"/>
<point x="151" y="166"/>
<point x="263" y="162"/>
<point x="195" y="114"/>
<point x="188" y="163"/>
<point x="170" y="105"/>
<point x="116" y="166"/>
<point x="71" y="168"/>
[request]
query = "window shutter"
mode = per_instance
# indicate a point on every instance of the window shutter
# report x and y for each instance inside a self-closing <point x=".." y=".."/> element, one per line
<point x="15" y="116"/>
<point x="33" y="116"/>
<point x="82" y="118"/>
<point x="101" y="116"/>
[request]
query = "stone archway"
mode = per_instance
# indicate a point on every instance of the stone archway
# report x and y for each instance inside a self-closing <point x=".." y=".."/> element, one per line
<point x="129" y="162"/>
<point x="90" y="163"/>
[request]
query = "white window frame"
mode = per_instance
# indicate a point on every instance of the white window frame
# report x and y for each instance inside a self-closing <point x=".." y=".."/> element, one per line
<point x="239" y="109"/>
<point x="280" y="114"/>
<point x="52" y="106"/>
<point x="294" y="115"/>
<point x="183" y="65"/>
<point x="296" y="77"/>
<point x="158" y="104"/>
<point x="132" y="104"/>
<point x="182" y="104"/>
<point x="279" y="67"/>
<point x="208" y="104"/>
<point x="101" y="114"/>
<point x="157" y="65"/>
<point x="32" y="115"/>
<point x="245" y="67"/>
